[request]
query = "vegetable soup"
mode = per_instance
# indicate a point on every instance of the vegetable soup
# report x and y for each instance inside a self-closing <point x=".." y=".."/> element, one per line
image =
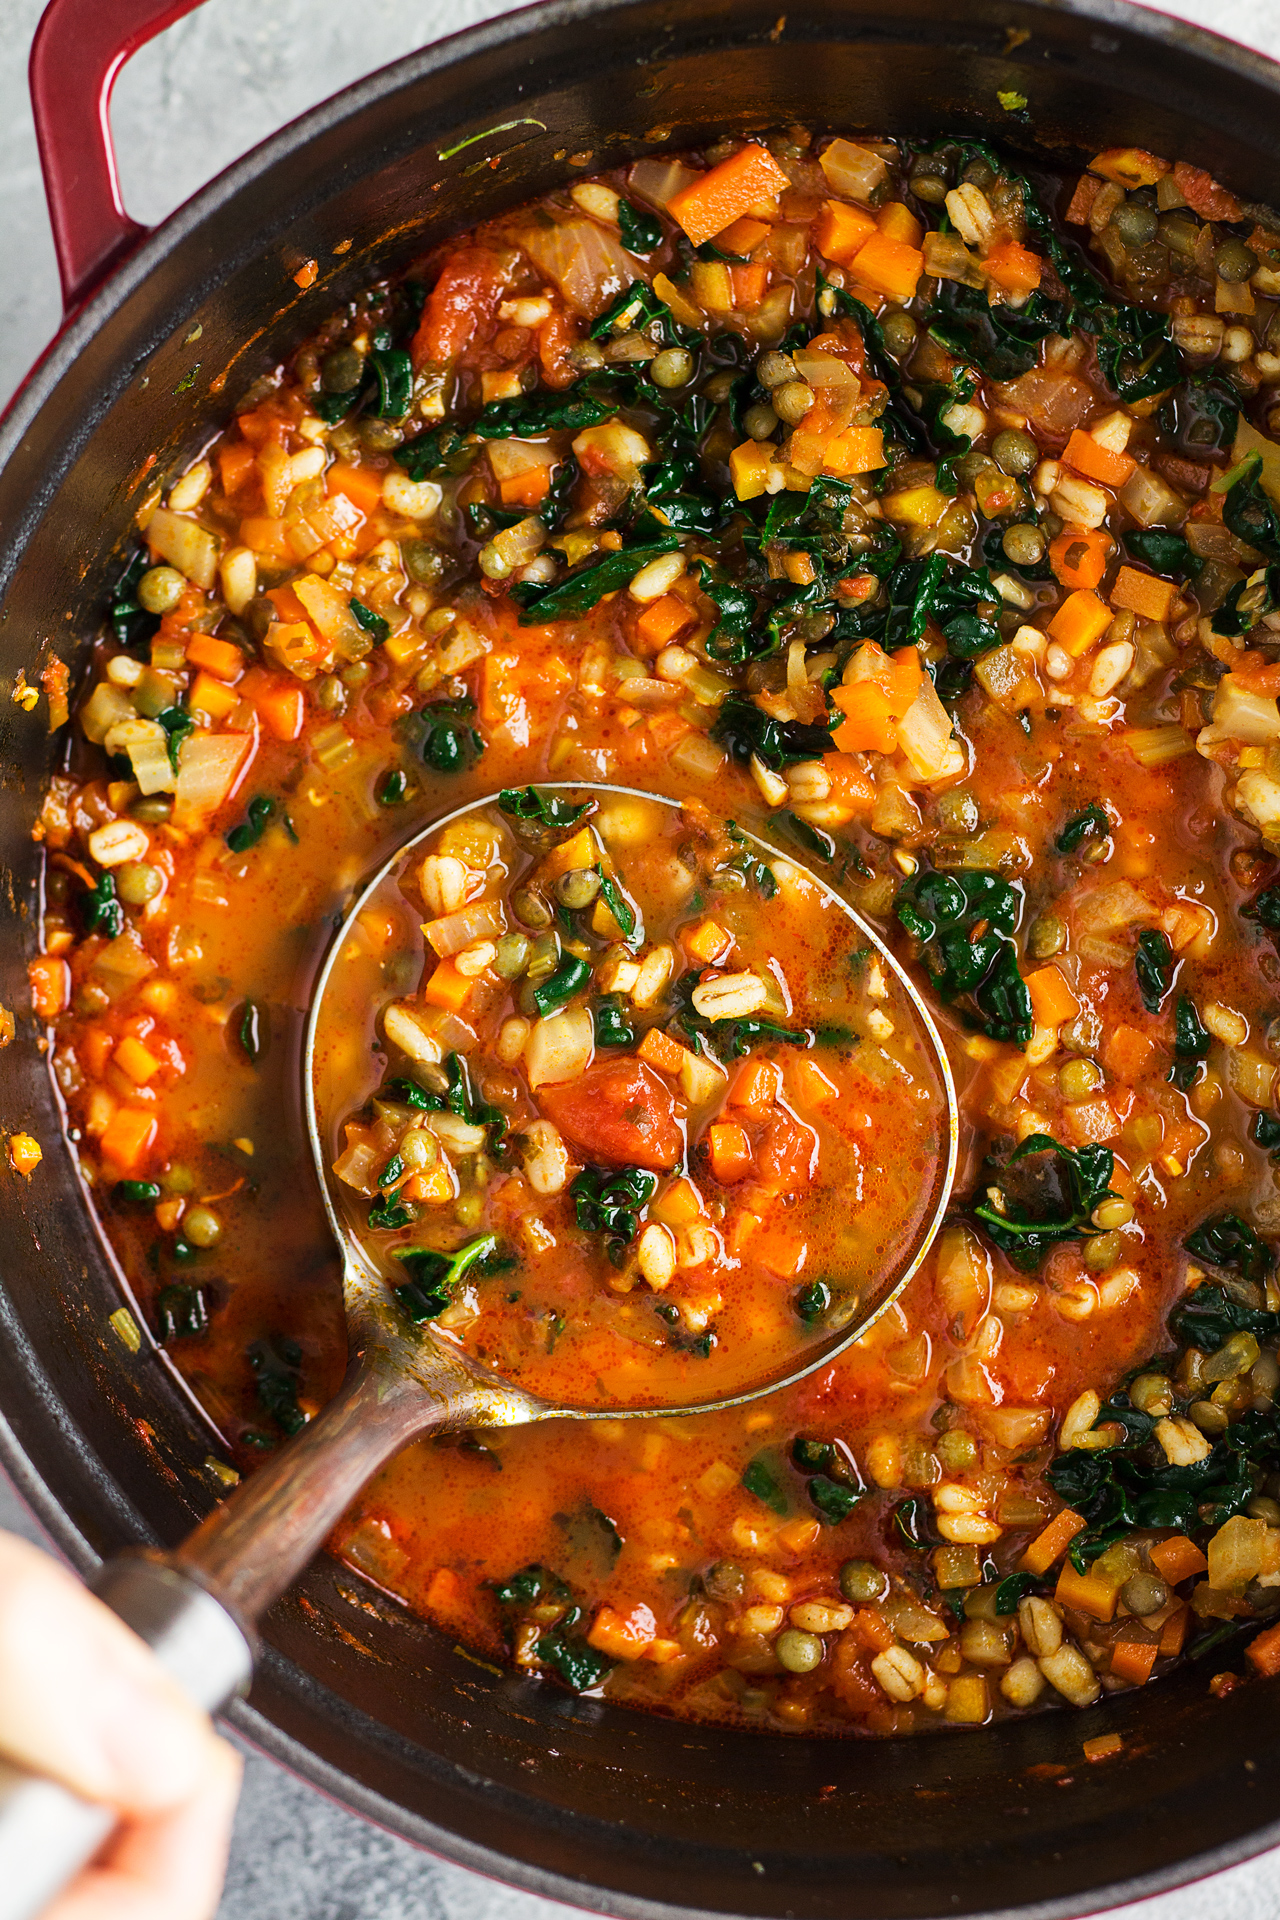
<point x="918" y="509"/>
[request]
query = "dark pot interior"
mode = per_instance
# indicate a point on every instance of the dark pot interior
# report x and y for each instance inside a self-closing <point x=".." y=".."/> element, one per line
<point x="567" y="1798"/>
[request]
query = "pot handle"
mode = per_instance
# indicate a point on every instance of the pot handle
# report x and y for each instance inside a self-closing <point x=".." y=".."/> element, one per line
<point x="79" y="48"/>
<point x="47" y="1834"/>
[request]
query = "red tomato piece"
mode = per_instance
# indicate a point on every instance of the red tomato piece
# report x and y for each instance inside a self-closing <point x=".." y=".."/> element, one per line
<point x="619" y="1112"/>
<point x="460" y="308"/>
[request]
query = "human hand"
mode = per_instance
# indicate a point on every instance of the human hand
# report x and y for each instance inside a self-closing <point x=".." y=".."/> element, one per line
<point x="84" y="1701"/>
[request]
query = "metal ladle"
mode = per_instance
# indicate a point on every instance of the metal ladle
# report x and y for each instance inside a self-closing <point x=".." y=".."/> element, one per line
<point x="196" y="1605"/>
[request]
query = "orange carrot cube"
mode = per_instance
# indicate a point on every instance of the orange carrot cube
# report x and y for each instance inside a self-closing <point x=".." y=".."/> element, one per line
<point x="840" y="230"/>
<point x="755" y="1086"/>
<point x="889" y="266"/>
<point x="659" y="1050"/>
<point x="624" y="1636"/>
<point x="716" y="199"/>
<point x="135" y="1061"/>
<point x="1052" y="1542"/>
<point x="1133" y="1660"/>
<point x="1083" y="453"/>
<point x="1144" y="594"/>
<point x="127" y="1138"/>
<point x="1178" y="1559"/>
<point x="730" y="1152"/>
<point x="218" y="657"/>
<point x="1052" y="1000"/>
<point x="1080" y="621"/>
<point x="447" y="987"/>
<point x="662" y="620"/>
<point x="899" y="223"/>
<point x="50" y="986"/>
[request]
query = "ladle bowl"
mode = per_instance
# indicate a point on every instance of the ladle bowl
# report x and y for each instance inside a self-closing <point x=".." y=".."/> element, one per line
<point x="197" y="1605"/>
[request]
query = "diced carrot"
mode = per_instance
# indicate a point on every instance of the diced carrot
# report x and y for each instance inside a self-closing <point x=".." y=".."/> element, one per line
<point x="578" y="851"/>
<point x="128" y="1138"/>
<point x="1079" y="558"/>
<point x="263" y="424"/>
<point x="1052" y="1000"/>
<point x="135" y="1061"/>
<point x="716" y="199"/>
<point x="1129" y="166"/>
<point x="1127" y="1053"/>
<point x="278" y="701"/>
<point x="1091" y="1122"/>
<point x="755" y="1086"/>
<point x="662" y="620"/>
<point x="1174" y="1632"/>
<point x="235" y="464"/>
<point x="1143" y="593"/>
<point x="1080" y="620"/>
<point x="750" y="284"/>
<point x="1085" y="455"/>
<point x="659" y="1050"/>
<point x="436" y="1186"/>
<point x="872" y="1629"/>
<point x="1133" y="1660"/>
<point x="527" y="489"/>
<point x="679" y="1205"/>
<point x="730" y="1152"/>
<point x="1052" y="1542"/>
<point x="840" y="230"/>
<point x="856" y="450"/>
<point x="1087" y="189"/>
<point x="624" y="1636"/>
<point x="219" y="657"/>
<point x="447" y="987"/>
<point x="362" y="486"/>
<point x="899" y="223"/>
<point x="93" y="1050"/>
<point x="812" y="1087"/>
<point x="50" y="986"/>
<point x="267" y="537"/>
<point x="212" y="697"/>
<point x="1013" y="268"/>
<point x="1264" y="1651"/>
<point x="707" y="942"/>
<point x="889" y="266"/>
<point x="445" y="1591"/>
<point x="1177" y="1559"/>
<point x="869" y="723"/>
<point x="744" y="236"/>
<point x="1086" y="1592"/>
<point x="666" y="730"/>
<point x="851" y="784"/>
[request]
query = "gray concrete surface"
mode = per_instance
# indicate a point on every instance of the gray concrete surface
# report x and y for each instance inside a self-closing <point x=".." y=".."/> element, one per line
<point x="185" y="107"/>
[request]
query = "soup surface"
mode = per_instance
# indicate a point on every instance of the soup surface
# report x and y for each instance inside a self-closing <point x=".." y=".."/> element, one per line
<point x="922" y="513"/>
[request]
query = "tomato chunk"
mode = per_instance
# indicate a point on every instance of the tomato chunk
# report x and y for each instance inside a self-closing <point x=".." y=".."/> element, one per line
<point x="460" y="308"/>
<point x="620" y="1113"/>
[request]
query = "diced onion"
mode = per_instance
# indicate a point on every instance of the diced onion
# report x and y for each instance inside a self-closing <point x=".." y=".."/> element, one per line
<point x="852" y="169"/>
<point x="185" y="544"/>
<point x="209" y="766"/>
<point x="482" y="920"/>
<point x="589" y="265"/>
<point x="358" y="1167"/>
<point x="560" y="1047"/>
<point x="660" y="180"/>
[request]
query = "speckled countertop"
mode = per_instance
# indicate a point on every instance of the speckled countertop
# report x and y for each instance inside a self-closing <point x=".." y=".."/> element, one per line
<point x="185" y="107"/>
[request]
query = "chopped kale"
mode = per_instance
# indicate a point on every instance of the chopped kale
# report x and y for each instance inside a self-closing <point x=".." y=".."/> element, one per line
<point x="743" y="730"/>
<point x="250" y="831"/>
<point x="276" y="1365"/>
<point x="570" y="977"/>
<point x="434" y="1277"/>
<point x="1050" y="1201"/>
<point x="965" y="922"/>
<point x="1266" y="1132"/>
<point x="812" y="1300"/>
<point x="1191" y="1042"/>
<point x="393" y="787"/>
<point x="760" y="1477"/>
<point x="253" y="1031"/>
<point x="1227" y="1241"/>
<point x="546" y="809"/>
<point x="372" y="622"/>
<point x="608" y="1200"/>
<point x="1208" y="1316"/>
<point x="1153" y="964"/>
<point x="542" y="412"/>
<point x="449" y="743"/>
<point x="1248" y="511"/>
<point x="177" y="723"/>
<point x="582" y="590"/>
<point x="182" y="1312"/>
<point x="734" y="1036"/>
<point x="136" y="1193"/>
<point x="611" y="1021"/>
<point x="1016" y="1587"/>
<point x="1091" y="821"/>
<point x="1161" y="550"/>
<point x="640" y="230"/>
<point x="103" y="912"/>
<point x="393" y="371"/>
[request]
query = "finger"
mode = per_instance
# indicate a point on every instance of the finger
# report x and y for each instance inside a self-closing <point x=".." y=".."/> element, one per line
<point x="83" y="1700"/>
<point x="167" y="1867"/>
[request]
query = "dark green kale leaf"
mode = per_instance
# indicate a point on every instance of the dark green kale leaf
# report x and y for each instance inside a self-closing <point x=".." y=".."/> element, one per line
<point x="562" y="1646"/>
<point x="733" y="638"/>
<point x="1248" y="511"/>
<point x="611" y="1021"/>
<point x="458" y="1096"/>
<point x="640" y="230"/>
<point x="448" y="742"/>
<point x="743" y="729"/>
<point x="1200" y="416"/>
<point x="547" y="809"/>
<point x="566" y="599"/>
<point x="1225" y="1240"/>
<point x="1191" y="1043"/>
<point x="434" y="1277"/>
<point x="1247" y="603"/>
<point x="1207" y="1317"/>
<point x="131" y="624"/>
<point x="103" y="912"/>
<point x="373" y="623"/>
<point x="1048" y="1202"/>
<point x="1266" y="1132"/>
<point x="760" y="1477"/>
<point x="536" y="413"/>
<point x="639" y="306"/>
<point x="1083" y="826"/>
<point x="276" y="1365"/>
<point x="1265" y="908"/>
<point x="250" y="831"/>
<point x="1153" y="964"/>
<point x="393" y="371"/>
<point x="943" y="911"/>
<point x="608" y="1200"/>
<point x="1164" y="552"/>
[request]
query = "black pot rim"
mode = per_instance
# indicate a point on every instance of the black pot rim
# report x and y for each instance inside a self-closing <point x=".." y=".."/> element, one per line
<point x="17" y="423"/>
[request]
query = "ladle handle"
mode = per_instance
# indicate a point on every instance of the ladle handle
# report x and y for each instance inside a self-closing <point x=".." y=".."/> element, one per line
<point x="195" y="1607"/>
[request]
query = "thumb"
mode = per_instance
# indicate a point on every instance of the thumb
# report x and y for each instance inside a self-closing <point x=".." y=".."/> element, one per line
<point x="82" y="1698"/>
